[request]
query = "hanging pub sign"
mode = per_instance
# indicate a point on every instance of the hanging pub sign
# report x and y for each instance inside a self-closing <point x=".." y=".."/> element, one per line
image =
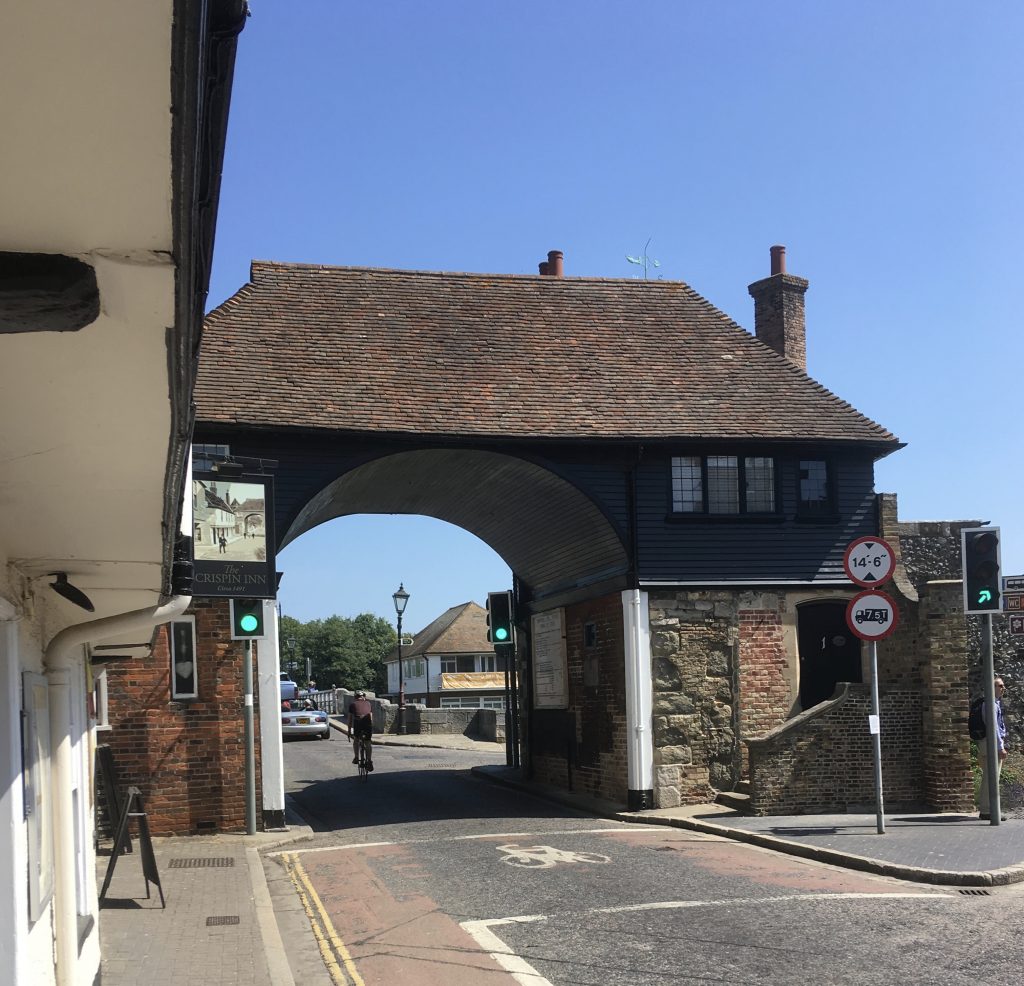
<point x="233" y="535"/>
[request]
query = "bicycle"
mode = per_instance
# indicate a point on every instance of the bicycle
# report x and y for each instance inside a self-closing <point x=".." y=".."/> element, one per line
<point x="364" y="755"/>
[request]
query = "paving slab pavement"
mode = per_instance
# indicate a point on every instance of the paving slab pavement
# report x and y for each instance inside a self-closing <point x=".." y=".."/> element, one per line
<point x="218" y="926"/>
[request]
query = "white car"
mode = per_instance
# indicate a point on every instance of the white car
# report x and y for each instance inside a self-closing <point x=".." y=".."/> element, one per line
<point x="305" y="722"/>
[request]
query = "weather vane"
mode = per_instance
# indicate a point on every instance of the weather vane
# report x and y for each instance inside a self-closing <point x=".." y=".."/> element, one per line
<point x="643" y="260"/>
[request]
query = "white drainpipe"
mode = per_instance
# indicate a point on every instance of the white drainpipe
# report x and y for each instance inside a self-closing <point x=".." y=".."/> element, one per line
<point x="58" y="665"/>
<point x="639" y="696"/>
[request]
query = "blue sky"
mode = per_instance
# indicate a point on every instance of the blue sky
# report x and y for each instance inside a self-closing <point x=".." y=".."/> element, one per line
<point x="880" y="142"/>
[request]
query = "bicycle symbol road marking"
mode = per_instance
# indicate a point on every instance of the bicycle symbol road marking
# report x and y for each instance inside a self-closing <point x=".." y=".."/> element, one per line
<point x="544" y="857"/>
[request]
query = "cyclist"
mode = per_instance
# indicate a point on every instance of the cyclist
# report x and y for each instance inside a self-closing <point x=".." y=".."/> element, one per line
<point x="360" y="727"/>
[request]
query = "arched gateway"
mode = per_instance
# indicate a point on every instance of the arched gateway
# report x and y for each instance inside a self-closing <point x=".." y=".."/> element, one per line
<point x="664" y="485"/>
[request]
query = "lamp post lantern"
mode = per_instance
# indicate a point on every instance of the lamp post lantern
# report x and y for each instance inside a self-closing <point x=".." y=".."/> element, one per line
<point x="401" y="597"/>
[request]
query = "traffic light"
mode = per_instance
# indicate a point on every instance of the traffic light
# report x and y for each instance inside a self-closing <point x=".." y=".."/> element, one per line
<point x="979" y="552"/>
<point x="499" y="617"/>
<point x="247" y="619"/>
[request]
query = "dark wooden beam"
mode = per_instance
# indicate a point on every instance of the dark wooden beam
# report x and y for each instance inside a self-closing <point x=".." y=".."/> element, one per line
<point x="46" y="292"/>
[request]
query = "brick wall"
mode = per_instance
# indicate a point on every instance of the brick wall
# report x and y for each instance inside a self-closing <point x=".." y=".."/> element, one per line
<point x="187" y="757"/>
<point x="765" y="693"/>
<point x="823" y="760"/>
<point x="584" y="748"/>
<point x="948" y="782"/>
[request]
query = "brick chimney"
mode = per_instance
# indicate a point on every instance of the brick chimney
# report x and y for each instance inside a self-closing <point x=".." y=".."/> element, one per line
<point x="553" y="266"/>
<point x="779" y="310"/>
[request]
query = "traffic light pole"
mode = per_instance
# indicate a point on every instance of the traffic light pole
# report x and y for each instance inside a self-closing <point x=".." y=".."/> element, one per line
<point x="250" y="746"/>
<point x="991" y="729"/>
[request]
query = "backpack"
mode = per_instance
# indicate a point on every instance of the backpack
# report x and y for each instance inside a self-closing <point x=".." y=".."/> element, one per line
<point x="975" y="720"/>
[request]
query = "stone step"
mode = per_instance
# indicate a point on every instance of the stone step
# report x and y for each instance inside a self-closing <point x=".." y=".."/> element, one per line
<point x="742" y="787"/>
<point x="737" y="800"/>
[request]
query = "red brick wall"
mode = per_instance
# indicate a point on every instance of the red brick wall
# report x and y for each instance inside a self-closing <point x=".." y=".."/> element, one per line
<point x="187" y="757"/>
<point x="589" y="754"/>
<point x="765" y="697"/>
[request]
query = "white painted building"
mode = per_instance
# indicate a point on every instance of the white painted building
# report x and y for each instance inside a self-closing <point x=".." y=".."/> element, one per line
<point x="449" y="664"/>
<point x="113" y="128"/>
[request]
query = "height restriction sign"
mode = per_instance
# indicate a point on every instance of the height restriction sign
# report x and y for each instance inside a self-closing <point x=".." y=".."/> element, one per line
<point x="869" y="562"/>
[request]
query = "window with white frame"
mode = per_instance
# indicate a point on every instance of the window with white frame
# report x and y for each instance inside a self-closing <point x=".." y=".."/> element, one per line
<point x="472" y="701"/>
<point x="492" y="662"/>
<point x="723" y="485"/>
<point x="184" y="673"/>
<point x="463" y="664"/>
<point x="414" y="667"/>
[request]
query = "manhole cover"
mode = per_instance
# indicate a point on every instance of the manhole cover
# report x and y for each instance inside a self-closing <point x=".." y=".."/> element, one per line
<point x="222" y="919"/>
<point x="201" y="862"/>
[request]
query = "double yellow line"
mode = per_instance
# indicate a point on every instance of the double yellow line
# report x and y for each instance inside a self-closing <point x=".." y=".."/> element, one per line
<point x="331" y="946"/>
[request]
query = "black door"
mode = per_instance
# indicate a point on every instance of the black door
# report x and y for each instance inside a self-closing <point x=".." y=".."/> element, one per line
<point x="829" y="652"/>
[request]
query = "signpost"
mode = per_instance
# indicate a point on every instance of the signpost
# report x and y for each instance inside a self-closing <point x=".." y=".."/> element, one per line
<point x="872" y="616"/>
<point x="1017" y="626"/>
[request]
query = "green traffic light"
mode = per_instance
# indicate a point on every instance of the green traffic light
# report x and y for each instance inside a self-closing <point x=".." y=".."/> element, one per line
<point x="500" y="633"/>
<point x="985" y="596"/>
<point x="248" y="623"/>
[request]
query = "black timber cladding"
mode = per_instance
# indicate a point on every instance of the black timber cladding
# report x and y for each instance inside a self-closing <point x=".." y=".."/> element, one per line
<point x="780" y="548"/>
<point x="548" y="552"/>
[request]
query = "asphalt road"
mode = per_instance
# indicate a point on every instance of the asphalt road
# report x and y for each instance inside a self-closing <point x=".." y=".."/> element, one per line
<point x="426" y="875"/>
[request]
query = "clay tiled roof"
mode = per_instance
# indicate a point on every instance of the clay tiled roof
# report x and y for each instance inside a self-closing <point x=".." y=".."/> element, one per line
<point x="459" y="630"/>
<point x="388" y="351"/>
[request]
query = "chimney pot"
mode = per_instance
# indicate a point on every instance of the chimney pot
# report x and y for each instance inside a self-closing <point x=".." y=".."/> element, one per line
<point x="555" y="265"/>
<point x="543" y="268"/>
<point x="778" y="260"/>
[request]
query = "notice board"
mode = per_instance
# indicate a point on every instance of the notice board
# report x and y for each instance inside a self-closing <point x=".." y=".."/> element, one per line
<point x="550" y="670"/>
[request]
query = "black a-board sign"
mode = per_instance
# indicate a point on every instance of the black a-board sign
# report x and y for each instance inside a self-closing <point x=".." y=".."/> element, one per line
<point x="233" y="535"/>
<point x="132" y="808"/>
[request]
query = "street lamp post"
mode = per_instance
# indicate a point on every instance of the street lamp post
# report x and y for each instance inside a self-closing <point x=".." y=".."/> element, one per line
<point x="290" y="643"/>
<point x="401" y="597"/>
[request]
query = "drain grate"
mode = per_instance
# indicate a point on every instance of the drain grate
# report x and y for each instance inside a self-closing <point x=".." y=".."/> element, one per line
<point x="201" y="862"/>
<point x="976" y="892"/>
<point x="442" y="765"/>
<point x="222" y="919"/>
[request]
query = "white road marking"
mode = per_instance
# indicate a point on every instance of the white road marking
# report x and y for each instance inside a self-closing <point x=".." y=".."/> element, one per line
<point x="544" y="857"/>
<point x="527" y="975"/>
<point x="743" y="901"/>
<point x="522" y="971"/>
<point x="626" y="828"/>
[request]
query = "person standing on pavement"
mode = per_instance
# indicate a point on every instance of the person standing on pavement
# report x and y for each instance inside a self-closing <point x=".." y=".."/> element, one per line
<point x="1001" y="734"/>
<point x="360" y="727"/>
